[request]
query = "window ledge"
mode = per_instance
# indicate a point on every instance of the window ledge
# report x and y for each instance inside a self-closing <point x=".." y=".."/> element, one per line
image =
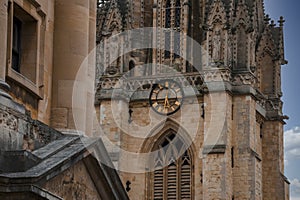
<point x="21" y="79"/>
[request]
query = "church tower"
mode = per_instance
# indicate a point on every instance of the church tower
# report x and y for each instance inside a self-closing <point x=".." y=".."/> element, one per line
<point x="188" y="98"/>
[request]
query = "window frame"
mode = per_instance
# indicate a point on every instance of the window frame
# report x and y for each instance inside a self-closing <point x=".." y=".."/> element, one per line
<point x="32" y="10"/>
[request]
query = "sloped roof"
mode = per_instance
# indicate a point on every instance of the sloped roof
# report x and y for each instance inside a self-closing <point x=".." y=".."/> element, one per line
<point x="45" y="163"/>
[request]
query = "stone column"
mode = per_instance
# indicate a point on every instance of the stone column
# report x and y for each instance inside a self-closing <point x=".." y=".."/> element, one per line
<point x="92" y="65"/>
<point x="4" y="87"/>
<point x="71" y="97"/>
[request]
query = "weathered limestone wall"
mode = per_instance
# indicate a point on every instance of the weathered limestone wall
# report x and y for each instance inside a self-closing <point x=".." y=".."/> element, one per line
<point x="217" y="169"/>
<point x="273" y="161"/>
<point x="136" y="14"/>
<point x="135" y="137"/>
<point x="74" y="183"/>
<point x="247" y="170"/>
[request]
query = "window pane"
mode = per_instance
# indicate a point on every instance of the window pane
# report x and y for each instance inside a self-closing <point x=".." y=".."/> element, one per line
<point x="177" y="14"/>
<point x="167" y="44"/>
<point x="176" y="45"/>
<point x="168" y="14"/>
<point x="16" y="48"/>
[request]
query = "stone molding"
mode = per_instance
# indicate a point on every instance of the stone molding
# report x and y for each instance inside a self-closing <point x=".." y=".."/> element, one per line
<point x="214" y="149"/>
<point x="33" y="133"/>
<point x="244" y="79"/>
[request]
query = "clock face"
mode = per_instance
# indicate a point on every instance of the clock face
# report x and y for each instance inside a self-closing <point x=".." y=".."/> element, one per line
<point x="166" y="97"/>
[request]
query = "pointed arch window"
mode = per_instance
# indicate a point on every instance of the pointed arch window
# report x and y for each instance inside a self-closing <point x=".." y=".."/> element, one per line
<point x="168" y="14"/>
<point x="177" y="26"/>
<point x="177" y="13"/>
<point x="168" y="25"/>
<point x="172" y="177"/>
<point x="172" y="21"/>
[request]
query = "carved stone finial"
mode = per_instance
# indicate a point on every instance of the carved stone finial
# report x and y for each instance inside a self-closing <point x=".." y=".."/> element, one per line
<point x="272" y="23"/>
<point x="281" y="21"/>
<point x="267" y="19"/>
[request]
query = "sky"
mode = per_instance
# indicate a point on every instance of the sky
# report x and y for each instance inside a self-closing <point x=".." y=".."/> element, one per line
<point x="290" y="10"/>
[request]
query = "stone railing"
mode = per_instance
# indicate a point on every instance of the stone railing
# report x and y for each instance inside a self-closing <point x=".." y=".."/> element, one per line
<point x="195" y="79"/>
<point x="144" y="83"/>
<point x="220" y="75"/>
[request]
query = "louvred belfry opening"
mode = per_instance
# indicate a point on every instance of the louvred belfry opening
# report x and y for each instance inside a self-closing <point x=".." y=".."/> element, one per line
<point x="172" y="177"/>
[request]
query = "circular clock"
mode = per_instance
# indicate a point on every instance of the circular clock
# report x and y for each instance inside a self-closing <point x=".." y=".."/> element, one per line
<point x="166" y="97"/>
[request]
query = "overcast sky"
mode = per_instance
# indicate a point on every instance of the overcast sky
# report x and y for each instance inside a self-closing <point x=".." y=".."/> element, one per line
<point x="289" y="9"/>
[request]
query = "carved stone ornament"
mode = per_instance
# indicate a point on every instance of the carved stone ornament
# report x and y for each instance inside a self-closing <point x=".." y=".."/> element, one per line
<point x="217" y="75"/>
<point x="244" y="79"/>
<point x="8" y="121"/>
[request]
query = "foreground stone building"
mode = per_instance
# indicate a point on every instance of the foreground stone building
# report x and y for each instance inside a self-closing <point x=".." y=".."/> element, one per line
<point x="188" y="110"/>
<point x="192" y="108"/>
<point x="42" y="154"/>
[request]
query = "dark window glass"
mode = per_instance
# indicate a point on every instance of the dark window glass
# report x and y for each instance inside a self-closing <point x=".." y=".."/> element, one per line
<point x="16" y="48"/>
<point x="131" y="68"/>
<point x="177" y="14"/>
<point x="168" y="14"/>
<point x="167" y="44"/>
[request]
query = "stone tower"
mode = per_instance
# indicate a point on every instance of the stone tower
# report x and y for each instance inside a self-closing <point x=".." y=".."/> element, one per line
<point x="225" y="139"/>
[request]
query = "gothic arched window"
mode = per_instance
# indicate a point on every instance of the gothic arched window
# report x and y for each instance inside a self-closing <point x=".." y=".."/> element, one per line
<point x="168" y="25"/>
<point x="172" y="22"/>
<point x="177" y="26"/>
<point x="172" y="176"/>
<point x="177" y="14"/>
<point x="168" y="14"/>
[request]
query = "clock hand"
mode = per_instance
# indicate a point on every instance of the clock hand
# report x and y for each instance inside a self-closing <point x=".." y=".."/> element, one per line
<point x="167" y="103"/>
